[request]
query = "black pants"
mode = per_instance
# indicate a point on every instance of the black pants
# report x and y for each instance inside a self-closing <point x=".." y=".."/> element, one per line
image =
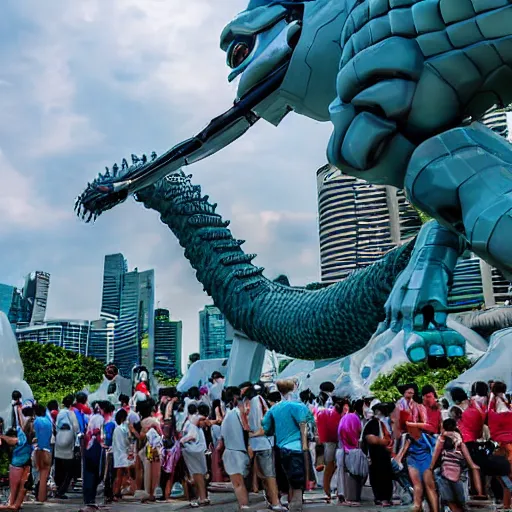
<point x="92" y="472"/>
<point x="295" y="466"/>
<point x="109" y="476"/>
<point x="381" y="478"/>
<point x="63" y="475"/>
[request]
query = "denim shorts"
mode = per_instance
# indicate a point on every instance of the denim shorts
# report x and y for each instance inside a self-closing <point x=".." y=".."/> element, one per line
<point x="330" y="452"/>
<point x="450" y="492"/>
<point x="265" y="460"/>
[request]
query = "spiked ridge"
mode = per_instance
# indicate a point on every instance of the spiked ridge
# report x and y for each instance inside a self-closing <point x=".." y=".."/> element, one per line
<point x="107" y="191"/>
<point x="308" y="324"/>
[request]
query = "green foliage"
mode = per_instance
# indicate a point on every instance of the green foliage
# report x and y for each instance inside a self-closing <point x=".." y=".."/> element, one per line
<point x="384" y="387"/>
<point x="144" y="343"/>
<point x="283" y="364"/>
<point x="4" y="464"/>
<point x="53" y="372"/>
<point x="165" y="381"/>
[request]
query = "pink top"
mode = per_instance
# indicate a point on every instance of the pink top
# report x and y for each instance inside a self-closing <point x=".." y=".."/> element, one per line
<point x="500" y="424"/>
<point x="327" y="422"/>
<point x="349" y="431"/>
<point x="471" y="424"/>
<point x="433" y="420"/>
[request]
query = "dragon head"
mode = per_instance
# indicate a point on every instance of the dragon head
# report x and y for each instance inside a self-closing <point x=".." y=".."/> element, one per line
<point x="271" y="35"/>
<point x="276" y="49"/>
<point x="260" y="41"/>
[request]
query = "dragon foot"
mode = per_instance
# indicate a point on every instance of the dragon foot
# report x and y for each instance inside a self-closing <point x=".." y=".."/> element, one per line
<point x="434" y="343"/>
<point x="417" y="303"/>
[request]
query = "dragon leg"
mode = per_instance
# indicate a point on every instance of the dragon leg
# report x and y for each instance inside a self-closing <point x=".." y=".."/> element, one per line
<point x="307" y="324"/>
<point x="418" y="303"/>
<point x="463" y="178"/>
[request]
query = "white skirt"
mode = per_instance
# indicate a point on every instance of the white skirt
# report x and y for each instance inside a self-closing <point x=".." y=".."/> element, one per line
<point x="236" y="462"/>
<point x="196" y="462"/>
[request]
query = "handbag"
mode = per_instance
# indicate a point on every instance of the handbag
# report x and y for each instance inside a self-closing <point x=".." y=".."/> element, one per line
<point x="356" y="463"/>
<point x="356" y="460"/>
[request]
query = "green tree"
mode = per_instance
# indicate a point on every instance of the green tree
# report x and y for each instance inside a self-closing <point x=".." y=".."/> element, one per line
<point x="385" y="386"/>
<point x="53" y="372"/>
<point x="283" y="364"/>
<point x="165" y="381"/>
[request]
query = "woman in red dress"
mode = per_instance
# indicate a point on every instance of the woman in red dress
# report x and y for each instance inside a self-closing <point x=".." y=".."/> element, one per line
<point x="500" y="427"/>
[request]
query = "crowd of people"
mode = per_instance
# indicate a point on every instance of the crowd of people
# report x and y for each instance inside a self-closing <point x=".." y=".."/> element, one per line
<point x="265" y="438"/>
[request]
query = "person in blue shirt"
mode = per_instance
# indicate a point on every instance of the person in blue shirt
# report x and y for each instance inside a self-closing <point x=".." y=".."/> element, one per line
<point x="288" y="420"/>
<point x="20" y="477"/>
<point x="108" y="432"/>
<point x="43" y="429"/>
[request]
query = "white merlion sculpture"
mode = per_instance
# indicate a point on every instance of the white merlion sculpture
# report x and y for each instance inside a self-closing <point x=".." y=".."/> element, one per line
<point x="11" y="370"/>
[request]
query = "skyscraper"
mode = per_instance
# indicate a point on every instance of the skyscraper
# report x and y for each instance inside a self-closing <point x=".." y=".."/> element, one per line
<point x="113" y="271"/>
<point x="35" y="296"/>
<point x="496" y="120"/>
<point x="358" y="222"/>
<point x="137" y="296"/>
<point x="168" y="343"/>
<point x="101" y="340"/>
<point x="6" y="298"/>
<point x="212" y="333"/>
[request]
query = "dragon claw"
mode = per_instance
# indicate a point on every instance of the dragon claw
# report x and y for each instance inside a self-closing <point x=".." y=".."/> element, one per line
<point x="421" y="345"/>
<point x="109" y="189"/>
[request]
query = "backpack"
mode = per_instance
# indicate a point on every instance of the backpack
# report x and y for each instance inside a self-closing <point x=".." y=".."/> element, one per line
<point x="451" y="462"/>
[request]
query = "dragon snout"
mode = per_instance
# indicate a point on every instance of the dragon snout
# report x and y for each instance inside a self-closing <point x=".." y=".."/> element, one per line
<point x="109" y="189"/>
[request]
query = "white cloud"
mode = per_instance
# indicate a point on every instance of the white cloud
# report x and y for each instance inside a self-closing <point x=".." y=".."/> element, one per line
<point x="20" y="206"/>
<point x="97" y="78"/>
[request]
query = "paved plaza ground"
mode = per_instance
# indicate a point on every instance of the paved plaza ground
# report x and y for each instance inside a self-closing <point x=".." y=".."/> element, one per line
<point x="221" y="502"/>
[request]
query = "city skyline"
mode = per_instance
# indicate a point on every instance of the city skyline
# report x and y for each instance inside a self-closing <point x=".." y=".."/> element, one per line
<point x="127" y="313"/>
<point x="85" y="84"/>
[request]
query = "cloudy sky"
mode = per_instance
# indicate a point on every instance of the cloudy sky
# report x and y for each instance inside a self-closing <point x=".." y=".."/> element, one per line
<point x="84" y="84"/>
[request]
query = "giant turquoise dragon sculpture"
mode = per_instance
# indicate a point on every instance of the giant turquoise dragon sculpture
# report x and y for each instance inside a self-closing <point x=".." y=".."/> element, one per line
<point x="403" y="83"/>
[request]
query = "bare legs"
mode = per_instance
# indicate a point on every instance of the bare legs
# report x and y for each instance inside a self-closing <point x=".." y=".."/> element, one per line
<point x="168" y="487"/>
<point x="272" y="491"/>
<point x="418" y="488"/>
<point x="43" y="464"/>
<point x="241" y="493"/>
<point x="295" y="500"/>
<point x="430" y="488"/>
<point x="330" y="468"/>
<point x="200" y="485"/>
<point x="17" y="479"/>
<point x="123" y="478"/>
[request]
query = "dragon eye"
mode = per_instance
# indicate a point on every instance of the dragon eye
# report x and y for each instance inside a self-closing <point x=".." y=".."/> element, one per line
<point x="238" y="53"/>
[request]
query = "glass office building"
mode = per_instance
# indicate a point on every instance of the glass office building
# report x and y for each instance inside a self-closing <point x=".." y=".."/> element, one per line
<point x="101" y="340"/>
<point x="137" y="299"/>
<point x="113" y="271"/>
<point x="71" y="335"/>
<point x="35" y="296"/>
<point x="212" y="333"/>
<point x="168" y="344"/>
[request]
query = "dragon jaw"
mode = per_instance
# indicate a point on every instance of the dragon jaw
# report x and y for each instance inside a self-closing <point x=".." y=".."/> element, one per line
<point x="275" y="30"/>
